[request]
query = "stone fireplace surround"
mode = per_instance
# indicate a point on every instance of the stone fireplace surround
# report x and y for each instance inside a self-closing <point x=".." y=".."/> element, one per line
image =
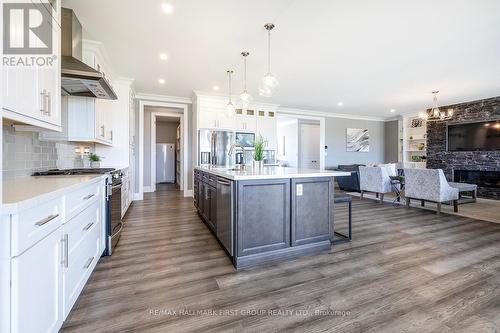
<point x="488" y="161"/>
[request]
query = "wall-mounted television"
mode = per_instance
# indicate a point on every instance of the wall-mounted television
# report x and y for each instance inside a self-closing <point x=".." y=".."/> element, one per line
<point x="483" y="135"/>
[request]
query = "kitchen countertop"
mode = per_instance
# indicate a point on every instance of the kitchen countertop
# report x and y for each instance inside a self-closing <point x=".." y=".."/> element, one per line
<point x="26" y="192"/>
<point x="270" y="172"/>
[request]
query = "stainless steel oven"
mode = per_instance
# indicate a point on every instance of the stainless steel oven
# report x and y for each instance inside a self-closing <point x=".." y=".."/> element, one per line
<point x="114" y="223"/>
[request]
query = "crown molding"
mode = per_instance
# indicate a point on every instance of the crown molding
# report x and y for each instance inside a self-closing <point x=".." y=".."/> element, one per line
<point x="199" y="93"/>
<point x="163" y="98"/>
<point x="296" y="111"/>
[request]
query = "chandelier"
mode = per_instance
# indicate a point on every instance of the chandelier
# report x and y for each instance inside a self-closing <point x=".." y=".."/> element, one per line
<point x="435" y="113"/>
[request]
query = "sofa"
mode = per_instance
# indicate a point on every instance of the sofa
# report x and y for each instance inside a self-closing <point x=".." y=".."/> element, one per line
<point x="348" y="183"/>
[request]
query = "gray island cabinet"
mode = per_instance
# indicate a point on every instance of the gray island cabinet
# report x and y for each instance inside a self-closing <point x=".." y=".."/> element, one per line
<point x="266" y="215"/>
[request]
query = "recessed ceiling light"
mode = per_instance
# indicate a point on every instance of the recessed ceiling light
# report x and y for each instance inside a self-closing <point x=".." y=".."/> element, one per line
<point x="393" y="110"/>
<point x="215" y="88"/>
<point x="167" y="8"/>
<point x="163" y="56"/>
<point x="340" y="104"/>
<point x="161" y="81"/>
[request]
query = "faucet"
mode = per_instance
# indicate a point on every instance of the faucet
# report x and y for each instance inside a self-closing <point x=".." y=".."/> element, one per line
<point x="231" y="151"/>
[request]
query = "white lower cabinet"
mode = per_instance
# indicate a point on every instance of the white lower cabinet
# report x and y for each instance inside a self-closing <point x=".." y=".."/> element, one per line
<point x="50" y="254"/>
<point x="82" y="253"/>
<point x="36" y="295"/>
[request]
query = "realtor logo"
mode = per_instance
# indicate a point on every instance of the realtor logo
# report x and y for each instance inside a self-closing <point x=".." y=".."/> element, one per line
<point x="27" y="28"/>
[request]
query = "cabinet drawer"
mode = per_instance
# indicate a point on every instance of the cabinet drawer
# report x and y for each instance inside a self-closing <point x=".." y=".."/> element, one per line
<point x="81" y="225"/>
<point x="77" y="200"/>
<point x="32" y="225"/>
<point x="212" y="180"/>
<point x="81" y="262"/>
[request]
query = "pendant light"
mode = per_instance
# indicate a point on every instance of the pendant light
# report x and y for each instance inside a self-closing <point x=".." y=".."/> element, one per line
<point x="230" y="105"/>
<point x="245" y="96"/>
<point x="435" y="113"/>
<point x="269" y="82"/>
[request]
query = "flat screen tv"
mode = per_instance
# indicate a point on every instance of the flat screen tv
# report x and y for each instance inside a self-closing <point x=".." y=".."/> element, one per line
<point x="474" y="136"/>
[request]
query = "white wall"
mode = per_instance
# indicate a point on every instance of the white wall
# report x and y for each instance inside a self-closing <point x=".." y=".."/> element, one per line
<point x="335" y="139"/>
<point x="166" y="132"/>
<point x="288" y="140"/>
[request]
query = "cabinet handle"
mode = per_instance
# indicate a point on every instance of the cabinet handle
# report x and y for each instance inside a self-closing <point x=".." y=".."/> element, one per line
<point x="103" y="131"/>
<point x="111" y="135"/>
<point x="65" y="261"/>
<point x="88" y="226"/>
<point x="87" y="265"/>
<point x="46" y="220"/>
<point x="48" y="103"/>
<point x="45" y="102"/>
<point x="88" y="196"/>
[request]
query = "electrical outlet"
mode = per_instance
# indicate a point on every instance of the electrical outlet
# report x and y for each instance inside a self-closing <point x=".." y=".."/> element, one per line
<point x="300" y="190"/>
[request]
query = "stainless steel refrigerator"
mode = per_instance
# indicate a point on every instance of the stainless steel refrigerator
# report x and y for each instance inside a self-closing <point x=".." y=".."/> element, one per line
<point x="214" y="148"/>
<point x="165" y="163"/>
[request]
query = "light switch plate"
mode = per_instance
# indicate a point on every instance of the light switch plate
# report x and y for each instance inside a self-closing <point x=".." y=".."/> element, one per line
<point x="300" y="190"/>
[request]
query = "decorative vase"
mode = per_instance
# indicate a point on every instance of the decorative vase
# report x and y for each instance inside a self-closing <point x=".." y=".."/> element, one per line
<point x="258" y="164"/>
<point x="95" y="164"/>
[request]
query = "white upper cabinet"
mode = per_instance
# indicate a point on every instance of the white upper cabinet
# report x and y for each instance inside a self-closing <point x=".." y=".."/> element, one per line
<point x="258" y="118"/>
<point x="266" y="126"/>
<point x="31" y="95"/>
<point x="245" y="120"/>
<point x="86" y="119"/>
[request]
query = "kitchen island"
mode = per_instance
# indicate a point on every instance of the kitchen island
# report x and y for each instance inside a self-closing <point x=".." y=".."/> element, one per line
<point x="268" y="214"/>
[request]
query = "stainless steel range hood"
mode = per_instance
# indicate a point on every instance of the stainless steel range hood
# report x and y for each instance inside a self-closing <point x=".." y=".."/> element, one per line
<point x="77" y="78"/>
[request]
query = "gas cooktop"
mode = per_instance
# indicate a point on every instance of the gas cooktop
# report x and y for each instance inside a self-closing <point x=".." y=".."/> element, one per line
<point x="84" y="171"/>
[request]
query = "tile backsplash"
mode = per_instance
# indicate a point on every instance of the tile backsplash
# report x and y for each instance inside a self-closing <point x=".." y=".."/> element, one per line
<point x="24" y="153"/>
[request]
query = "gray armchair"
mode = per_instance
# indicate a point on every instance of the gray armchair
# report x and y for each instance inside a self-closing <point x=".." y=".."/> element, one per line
<point x="429" y="185"/>
<point x="375" y="179"/>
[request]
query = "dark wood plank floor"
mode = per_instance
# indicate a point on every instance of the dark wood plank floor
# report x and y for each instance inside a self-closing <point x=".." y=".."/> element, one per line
<point x="406" y="270"/>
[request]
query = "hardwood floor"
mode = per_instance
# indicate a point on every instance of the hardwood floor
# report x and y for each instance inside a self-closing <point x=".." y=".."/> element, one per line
<point x="405" y="270"/>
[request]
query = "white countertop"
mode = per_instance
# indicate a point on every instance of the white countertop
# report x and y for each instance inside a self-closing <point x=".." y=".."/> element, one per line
<point x="26" y="192"/>
<point x="270" y="172"/>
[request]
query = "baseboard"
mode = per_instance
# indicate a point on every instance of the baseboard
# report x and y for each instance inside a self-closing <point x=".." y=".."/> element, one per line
<point x="188" y="193"/>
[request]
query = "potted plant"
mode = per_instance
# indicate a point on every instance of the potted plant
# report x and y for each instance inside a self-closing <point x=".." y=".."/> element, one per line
<point x="259" y="144"/>
<point x="94" y="160"/>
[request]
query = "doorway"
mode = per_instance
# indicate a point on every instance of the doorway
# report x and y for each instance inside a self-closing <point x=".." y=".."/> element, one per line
<point x="309" y="141"/>
<point x="166" y="155"/>
<point x="146" y="128"/>
<point x="301" y="140"/>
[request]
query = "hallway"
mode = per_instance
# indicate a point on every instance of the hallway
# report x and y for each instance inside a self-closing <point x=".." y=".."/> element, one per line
<point x="405" y="267"/>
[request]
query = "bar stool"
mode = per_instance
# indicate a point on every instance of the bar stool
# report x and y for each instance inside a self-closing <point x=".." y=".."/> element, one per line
<point x="338" y="199"/>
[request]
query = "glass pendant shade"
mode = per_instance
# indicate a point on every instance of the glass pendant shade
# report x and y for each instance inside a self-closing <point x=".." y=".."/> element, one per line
<point x="265" y="91"/>
<point x="230" y="109"/>
<point x="270" y="81"/>
<point x="245" y="97"/>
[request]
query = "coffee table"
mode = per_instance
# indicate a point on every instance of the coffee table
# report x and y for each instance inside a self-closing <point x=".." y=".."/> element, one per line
<point x="465" y="188"/>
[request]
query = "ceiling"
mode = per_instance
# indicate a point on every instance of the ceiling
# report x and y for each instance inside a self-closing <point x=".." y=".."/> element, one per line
<point x="373" y="56"/>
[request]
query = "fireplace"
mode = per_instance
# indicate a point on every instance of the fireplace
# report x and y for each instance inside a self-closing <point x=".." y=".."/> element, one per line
<point x="488" y="182"/>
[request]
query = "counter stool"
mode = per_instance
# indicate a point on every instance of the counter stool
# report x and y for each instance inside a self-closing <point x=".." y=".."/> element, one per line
<point x="338" y="199"/>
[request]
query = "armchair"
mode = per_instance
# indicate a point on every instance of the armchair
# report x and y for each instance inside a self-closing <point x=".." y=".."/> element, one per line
<point x="429" y="185"/>
<point x="375" y="179"/>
